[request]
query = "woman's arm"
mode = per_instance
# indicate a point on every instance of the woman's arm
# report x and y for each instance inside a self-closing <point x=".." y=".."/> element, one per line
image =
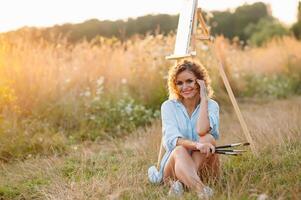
<point x="202" y="123"/>
<point x="188" y="144"/>
<point x="204" y="147"/>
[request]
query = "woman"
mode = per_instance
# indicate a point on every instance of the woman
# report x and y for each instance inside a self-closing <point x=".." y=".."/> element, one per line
<point x="190" y="123"/>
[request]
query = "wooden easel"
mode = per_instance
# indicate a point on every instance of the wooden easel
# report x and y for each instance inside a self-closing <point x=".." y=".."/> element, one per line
<point x="198" y="24"/>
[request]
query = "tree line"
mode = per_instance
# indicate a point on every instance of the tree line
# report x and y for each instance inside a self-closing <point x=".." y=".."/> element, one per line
<point x="250" y="23"/>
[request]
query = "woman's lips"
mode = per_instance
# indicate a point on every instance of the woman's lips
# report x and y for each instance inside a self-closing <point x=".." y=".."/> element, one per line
<point x="186" y="92"/>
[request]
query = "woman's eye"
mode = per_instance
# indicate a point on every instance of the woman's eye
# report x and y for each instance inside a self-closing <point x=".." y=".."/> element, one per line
<point x="189" y="81"/>
<point x="179" y="83"/>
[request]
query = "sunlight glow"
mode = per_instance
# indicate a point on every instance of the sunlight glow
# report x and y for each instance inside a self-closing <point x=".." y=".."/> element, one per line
<point x="15" y="14"/>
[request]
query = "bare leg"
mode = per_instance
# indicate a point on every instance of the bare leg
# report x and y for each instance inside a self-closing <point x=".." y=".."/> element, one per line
<point x="181" y="166"/>
<point x="206" y="166"/>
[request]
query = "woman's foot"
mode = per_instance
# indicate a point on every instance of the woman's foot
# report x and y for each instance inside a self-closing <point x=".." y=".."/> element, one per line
<point x="176" y="189"/>
<point x="206" y="193"/>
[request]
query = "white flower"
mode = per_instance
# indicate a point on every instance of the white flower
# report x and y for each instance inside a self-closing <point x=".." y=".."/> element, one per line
<point x="87" y="94"/>
<point x="128" y="109"/>
<point x="92" y="117"/>
<point x="262" y="197"/>
<point x="100" y="80"/>
<point x="204" y="47"/>
<point x="124" y="81"/>
<point x="96" y="98"/>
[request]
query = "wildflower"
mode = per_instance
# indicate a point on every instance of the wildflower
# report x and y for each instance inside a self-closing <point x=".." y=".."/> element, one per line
<point x="87" y="94"/>
<point x="204" y="47"/>
<point x="99" y="90"/>
<point x="124" y="81"/>
<point x="100" y="81"/>
<point x="262" y="197"/>
<point x="128" y="109"/>
<point x="157" y="113"/>
<point x="96" y="98"/>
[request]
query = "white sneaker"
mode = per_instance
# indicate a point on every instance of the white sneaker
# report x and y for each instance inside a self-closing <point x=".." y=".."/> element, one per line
<point x="176" y="189"/>
<point x="206" y="193"/>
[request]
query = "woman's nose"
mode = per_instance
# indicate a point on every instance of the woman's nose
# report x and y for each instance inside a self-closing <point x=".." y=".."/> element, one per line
<point x="185" y="85"/>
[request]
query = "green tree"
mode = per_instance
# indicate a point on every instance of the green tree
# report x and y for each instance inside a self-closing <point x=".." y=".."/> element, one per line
<point x="232" y="24"/>
<point x="296" y="28"/>
<point x="266" y="29"/>
<point x="228" y="23"/>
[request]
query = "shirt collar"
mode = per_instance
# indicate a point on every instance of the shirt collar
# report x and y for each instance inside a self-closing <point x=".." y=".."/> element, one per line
<point x="177" y="102"/>
<point x="182" y="107"/>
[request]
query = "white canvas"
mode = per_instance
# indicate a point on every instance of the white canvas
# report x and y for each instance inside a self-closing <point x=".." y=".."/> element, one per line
<point x="185" y="27"/>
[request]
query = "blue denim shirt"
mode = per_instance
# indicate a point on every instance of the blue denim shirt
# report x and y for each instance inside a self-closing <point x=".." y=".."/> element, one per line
<point x="176" y="123"/>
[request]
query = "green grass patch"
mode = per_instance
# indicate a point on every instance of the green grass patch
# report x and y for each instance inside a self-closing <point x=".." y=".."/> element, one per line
<point x="25" y="189"/>
<point x="81" y="169"/>
<point x="276" y="172"/>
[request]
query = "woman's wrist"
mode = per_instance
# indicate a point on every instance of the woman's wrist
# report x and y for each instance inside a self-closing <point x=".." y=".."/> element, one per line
<point x="198" y="145"/>
<point x="204" y="100"/>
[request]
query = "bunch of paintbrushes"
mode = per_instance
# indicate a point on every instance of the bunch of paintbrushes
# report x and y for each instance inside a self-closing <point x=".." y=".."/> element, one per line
<point x="226" y="149"/>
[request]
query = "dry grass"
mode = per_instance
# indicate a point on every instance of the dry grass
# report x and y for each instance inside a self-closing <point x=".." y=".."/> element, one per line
<point x="117" y="169"/>
<point x="39" y="73"/>
<point x="55" y="100"/>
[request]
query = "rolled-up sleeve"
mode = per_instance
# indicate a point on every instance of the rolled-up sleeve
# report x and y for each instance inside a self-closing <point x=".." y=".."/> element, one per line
<point x="213" y="113"/>
<point x="170" y="128"/>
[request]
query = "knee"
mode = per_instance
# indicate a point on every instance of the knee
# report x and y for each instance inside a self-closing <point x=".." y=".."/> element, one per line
<point x="208" y="138"/>
<point x="179" y="151"/>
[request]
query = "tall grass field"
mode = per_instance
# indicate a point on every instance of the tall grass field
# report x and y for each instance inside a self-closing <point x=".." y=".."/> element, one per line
<point x="82" y="121"/>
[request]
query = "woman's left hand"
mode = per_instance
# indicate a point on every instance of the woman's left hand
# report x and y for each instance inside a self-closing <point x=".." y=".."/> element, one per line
<point x="203" y="89"/>
<point x="205" y="148"/>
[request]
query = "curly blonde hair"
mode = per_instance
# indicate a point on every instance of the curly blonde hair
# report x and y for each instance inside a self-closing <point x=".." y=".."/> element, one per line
<point x="196" y="68"/>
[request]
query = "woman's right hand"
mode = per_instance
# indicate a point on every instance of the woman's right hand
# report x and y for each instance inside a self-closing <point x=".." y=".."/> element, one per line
<point x="203" y="88"/>
<point x="206" y="148"/>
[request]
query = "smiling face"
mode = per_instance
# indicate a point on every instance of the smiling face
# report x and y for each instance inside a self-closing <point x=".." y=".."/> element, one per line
<point x="187" y="85"/>
<point x="182" y="80"/>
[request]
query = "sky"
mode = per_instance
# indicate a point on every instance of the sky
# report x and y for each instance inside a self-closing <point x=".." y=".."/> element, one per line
<point x="41" y="13"/>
